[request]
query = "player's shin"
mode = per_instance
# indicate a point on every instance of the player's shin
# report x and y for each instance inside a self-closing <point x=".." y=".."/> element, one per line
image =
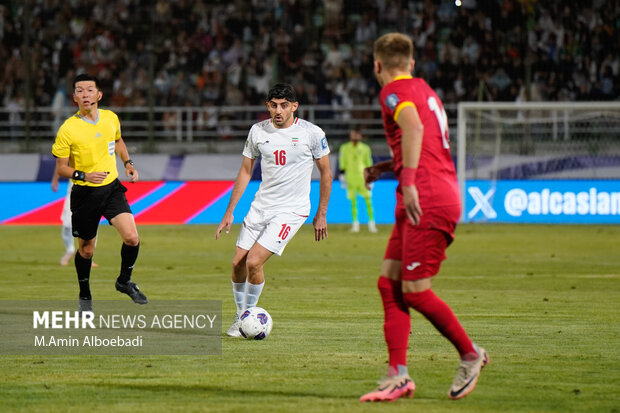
<point x="82" y="267"/>
<point x="371" y="215"/>
<point x="67" y="239"/>
<point x="397" y="324"/>
<point x="129" y="255"/>
<point x="441" y="316"/>
<point x="239" y="295"/>
<point x="354" y="207"/>
<point x="253" y="294"/>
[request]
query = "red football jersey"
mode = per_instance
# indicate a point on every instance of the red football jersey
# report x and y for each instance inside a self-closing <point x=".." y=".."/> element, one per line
<point x="436" y="177"/>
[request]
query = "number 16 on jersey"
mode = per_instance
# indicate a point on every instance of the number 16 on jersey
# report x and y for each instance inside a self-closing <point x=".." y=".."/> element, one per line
<point x="280" y="157"/>
<point x="284" y="231"/>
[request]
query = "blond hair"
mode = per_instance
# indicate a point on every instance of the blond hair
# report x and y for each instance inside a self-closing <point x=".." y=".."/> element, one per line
<point x="394" y="51"/>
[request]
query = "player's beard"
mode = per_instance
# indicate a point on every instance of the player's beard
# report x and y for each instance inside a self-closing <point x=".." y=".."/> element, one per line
<point x="283" y="120"/>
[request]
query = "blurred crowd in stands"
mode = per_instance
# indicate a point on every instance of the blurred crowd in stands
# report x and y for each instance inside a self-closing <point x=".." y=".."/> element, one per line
<point x="228" y="52"/>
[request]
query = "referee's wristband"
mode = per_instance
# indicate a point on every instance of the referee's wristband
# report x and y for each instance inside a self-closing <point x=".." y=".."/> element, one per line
<point x="79" y="175"/>
<point x="128" y="161"/>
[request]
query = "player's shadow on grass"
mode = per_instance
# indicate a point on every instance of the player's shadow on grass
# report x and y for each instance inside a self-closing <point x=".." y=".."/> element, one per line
<point x="223" y="391"/>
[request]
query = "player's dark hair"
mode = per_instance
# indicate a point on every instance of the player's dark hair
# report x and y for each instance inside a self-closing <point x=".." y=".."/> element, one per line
<point x="282" y="91"/>
<point x="85" y="77"/>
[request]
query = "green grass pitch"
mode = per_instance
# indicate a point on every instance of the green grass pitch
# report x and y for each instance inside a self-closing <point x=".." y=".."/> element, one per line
<point x="543" y="300"/>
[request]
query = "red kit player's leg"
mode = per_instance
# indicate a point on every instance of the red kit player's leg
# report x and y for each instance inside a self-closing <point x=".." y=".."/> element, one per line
<point x="423" y="253"/>
<point x="397" y="322"/>
<point x="396" y="327"/>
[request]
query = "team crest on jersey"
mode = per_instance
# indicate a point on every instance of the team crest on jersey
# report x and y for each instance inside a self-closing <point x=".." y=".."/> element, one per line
<point x="391" y="101"/>
<point x="295" y="141"/>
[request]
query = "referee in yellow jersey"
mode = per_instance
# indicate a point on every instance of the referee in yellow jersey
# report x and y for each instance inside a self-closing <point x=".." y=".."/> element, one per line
<point x="85" y="151"/>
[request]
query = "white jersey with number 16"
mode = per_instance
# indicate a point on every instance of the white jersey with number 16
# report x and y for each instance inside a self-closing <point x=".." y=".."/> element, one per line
<point x="287" y="158"/>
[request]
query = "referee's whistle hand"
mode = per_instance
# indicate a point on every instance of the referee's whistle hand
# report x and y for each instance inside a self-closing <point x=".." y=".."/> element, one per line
<point x="132" y="174"/>
<point x="95" y="177"/>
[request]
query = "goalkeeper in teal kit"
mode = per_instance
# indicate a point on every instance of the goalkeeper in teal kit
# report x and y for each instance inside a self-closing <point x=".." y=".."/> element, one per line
<point x="353" y="157"/>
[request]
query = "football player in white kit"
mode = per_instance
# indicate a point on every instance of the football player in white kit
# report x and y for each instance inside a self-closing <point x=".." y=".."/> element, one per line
<point x="65" y="217"/>
<point x="288" y="148"/>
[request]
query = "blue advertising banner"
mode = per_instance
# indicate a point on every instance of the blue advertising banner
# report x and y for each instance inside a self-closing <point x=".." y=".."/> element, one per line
<point x="183" y="202"/>
<point x="544" y="202"/>
<point x="204" y="202"/>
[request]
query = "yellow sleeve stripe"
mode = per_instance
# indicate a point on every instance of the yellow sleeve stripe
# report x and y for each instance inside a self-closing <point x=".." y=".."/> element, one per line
<point x="402" y="106"/>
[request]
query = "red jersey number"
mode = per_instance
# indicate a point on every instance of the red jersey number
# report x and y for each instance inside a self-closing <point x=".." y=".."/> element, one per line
<point x="442" y="119"/>
<point x="280" y="157"/>
<point x="284" y="231"/>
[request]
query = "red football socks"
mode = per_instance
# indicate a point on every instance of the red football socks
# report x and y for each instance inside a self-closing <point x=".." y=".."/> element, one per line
<point x="397" y="323"/>
<point x="442" y="317"/>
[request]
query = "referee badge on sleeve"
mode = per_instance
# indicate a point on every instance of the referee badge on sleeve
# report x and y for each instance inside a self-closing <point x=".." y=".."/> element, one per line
<point x="111" y="148"/>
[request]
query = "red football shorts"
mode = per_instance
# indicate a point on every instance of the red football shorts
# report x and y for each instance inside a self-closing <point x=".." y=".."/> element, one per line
<point x="421" y="248"/>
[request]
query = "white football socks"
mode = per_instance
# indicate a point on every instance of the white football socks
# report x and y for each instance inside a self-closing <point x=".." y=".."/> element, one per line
<point x="239" y="295"/>
<point x="253" y="294"/>
<point x="67" y="239"/>
<point x="246" y="294"/>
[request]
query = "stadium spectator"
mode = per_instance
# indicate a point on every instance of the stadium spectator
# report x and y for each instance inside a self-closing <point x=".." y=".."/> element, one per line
<point x="231" y="42"/>
<point x="15" y="106"/>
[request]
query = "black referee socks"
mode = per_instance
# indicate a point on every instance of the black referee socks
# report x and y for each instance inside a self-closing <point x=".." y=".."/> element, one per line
<point x="82" y="267"/>
<point x="129" y="255"/>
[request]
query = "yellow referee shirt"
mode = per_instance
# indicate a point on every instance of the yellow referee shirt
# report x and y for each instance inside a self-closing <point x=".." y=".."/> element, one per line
<point x="90" y="146"/>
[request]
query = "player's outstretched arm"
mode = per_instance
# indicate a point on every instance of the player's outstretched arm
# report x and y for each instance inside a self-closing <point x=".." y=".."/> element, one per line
<point x="372" y="173"/>
<point x="243" y="178"/>
<point x="320" y="219"/>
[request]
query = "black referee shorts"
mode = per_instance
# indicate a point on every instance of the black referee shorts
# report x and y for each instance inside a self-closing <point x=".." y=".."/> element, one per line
<point x="89" y="203"/>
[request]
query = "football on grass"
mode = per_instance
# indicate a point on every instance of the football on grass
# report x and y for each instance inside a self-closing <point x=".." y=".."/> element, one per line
<point x="255" y="323"/>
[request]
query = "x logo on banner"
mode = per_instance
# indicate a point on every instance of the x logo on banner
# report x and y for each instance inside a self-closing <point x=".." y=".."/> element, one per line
<point x="482" y="202"/>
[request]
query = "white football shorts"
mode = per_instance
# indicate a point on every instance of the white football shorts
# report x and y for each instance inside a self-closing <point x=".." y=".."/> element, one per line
<point x="272" y="230"/>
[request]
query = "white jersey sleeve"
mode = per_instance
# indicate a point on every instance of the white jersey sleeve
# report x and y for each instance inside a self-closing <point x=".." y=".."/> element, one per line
<point x="319" y="145"/>
<point x="251" y="148"/>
